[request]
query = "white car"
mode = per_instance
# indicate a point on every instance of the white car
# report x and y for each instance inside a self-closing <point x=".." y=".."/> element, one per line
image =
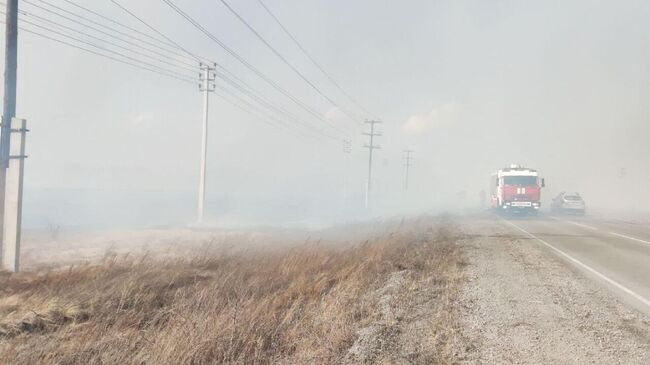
<point x="568" y="203"/>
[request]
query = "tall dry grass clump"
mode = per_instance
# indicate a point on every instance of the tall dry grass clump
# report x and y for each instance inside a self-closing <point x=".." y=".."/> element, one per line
<point x="312" y="303"/>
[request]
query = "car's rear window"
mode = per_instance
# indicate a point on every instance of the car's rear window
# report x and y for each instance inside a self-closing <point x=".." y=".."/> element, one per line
<point x="572" y="197"/>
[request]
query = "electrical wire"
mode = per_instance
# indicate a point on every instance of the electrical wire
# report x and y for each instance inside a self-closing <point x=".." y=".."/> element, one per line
<point x="226" y="75"/>
<point x="197" y="58"/>
<point x="104" y="49"/>
<point x="270" y="106"/>
<point x="31" y="3"/>
<point x="313" y="60"/>
<point x="104" y="55"/>
<point x="268" y="119"/>
<point x="115" y="22"/>
<point x="162" y="73"/>
<point x="174" y="56"/>
<point x="22" y="12"/>
<point x="115" y="56"/>
<point x="281" y="57"/>
<point x="248" y="65"/>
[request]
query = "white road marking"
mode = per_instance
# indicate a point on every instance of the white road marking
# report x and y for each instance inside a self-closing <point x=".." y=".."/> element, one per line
<point x="575" y="223"/>
<point x="612" y="233"/>
<point x="582" y="225"/>
<point x="630" y="238"/>
<point x="585" y="266"/>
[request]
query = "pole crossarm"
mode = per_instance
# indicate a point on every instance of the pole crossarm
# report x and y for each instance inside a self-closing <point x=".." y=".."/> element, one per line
<point x="207" y="77"/>
<point x="347" y="146"/>
<point x="375" y="147"/>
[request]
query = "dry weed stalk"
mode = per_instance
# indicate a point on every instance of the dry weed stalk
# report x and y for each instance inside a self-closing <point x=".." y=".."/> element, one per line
<point x="302" y="304"/>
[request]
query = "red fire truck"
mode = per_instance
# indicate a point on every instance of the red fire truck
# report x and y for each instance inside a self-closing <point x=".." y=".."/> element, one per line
<point x="516" y="189"/>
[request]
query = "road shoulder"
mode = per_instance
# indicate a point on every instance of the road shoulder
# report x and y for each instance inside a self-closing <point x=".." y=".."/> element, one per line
<point x="522" y="304"/>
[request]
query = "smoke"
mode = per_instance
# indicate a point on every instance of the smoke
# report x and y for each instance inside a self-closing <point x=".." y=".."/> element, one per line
<point x="440" y="116"/>
<point x="469" y="86"/>
<point x="143" y="120"/>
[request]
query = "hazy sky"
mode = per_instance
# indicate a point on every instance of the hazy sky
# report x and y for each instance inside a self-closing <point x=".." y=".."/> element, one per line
<point x="471" y="86"/>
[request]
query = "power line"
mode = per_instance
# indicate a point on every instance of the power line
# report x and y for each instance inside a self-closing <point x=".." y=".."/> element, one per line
<point x="114" y="52"/>
<point x="147" y="65"/>
<point x="175" y="58"/>
<point x="271" y="117"/>
<point x="263" y="76"/>
<point x="255" y="95"/>
<point x="251" y="110"/>
<point x="252" y="107"/>
<point x="106" y="56"/>
<point x="115" y="22"/>
<point x="268" y="119"/>
<point x="230" y="78"/>
<point x="200" y="59"/>
<point x="265" y="102"/>
<point x="98" y="24"/>
<point x="97" y="38"/>
<point x="132" y="61"/>
<point x="240" y="59"/>
<point x="313" y="60"/>
<point x="227" y="76"/>
<point x="281" y="57"/>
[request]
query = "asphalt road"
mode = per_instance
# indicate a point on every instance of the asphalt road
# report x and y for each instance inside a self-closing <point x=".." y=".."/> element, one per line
<point x="614" y="253"/>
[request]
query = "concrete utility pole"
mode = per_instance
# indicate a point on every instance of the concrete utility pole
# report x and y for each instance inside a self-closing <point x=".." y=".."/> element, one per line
<point x="407" y="164"/>
<point x="9" y="106"/>
<point x="207" y="85"/>
<point x="371" y="146"/>
<point x="13" y="205"/>
<point x="347" y="150"/>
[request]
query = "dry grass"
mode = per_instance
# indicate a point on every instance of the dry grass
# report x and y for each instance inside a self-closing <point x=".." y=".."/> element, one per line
<point x="312" y="303"/>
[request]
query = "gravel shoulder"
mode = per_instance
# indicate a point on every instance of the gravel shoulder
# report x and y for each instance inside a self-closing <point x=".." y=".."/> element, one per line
<point x="523" y="305"/>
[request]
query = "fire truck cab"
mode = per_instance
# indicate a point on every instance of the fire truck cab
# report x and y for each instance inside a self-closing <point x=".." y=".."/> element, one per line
<point x="516" y="189"/>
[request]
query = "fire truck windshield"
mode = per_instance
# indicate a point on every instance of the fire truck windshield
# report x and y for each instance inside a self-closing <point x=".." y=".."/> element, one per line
<point x="520" y="180"/>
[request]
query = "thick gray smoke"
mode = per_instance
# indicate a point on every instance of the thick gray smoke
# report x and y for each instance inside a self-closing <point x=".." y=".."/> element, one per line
<point x="471" y="86"/>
